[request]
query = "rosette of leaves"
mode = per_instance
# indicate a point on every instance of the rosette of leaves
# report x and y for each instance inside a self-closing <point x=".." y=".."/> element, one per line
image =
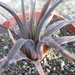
<point x="31" y="41"/>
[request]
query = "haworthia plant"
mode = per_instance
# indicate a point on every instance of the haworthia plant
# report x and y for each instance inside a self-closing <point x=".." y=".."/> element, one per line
<point x="26" y="35"/>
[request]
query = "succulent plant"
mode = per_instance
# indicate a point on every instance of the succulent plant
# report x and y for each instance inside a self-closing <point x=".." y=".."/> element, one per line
<point x="31" y="41"/>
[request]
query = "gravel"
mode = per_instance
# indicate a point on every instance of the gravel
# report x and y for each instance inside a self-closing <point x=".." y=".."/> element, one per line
<point x="54" y="63"/>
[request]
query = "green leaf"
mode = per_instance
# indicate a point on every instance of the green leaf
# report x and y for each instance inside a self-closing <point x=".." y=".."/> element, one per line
<point x="33" y="31"/>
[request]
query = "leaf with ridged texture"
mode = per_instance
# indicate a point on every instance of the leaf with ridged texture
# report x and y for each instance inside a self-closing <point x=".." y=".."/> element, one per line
<point x="24" y="19"/>
<point x="32" y="17"/>
<point x="56" y="26"/>
<point x="13" y="52"/>
<point x="17" y="57"/>
<point x="15" y="16"/>
<point x="16" y="47"/>
<point x="53" y="44"/>
<point x="45" y="25"/>
<point x="45" y="18"/>
<point x="65" y="39"/>
<point x="43" y="11"/>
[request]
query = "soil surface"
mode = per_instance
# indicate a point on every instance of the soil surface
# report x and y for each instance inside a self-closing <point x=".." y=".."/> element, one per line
<point x="53" y="64"/>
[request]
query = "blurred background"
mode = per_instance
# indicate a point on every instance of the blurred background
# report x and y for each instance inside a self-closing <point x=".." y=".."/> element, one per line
<point x="66" y="8"/>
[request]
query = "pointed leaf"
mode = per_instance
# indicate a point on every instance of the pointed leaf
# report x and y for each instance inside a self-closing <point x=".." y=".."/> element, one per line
<point x="45" y="25"/>
<point x="17" y="57"/>
<point x="65" y="39"/>
<point x="53" y="44"/>
<point x="15" y="48"/>
<point x="55" y="26"/>
<point x="32" y="17"/>
<point x="56" y="3"/>
<point x="45" y="18"/>
<point x="44" y="10"/>
<point x="12" y="53"/>
<point x="24" y="18"/>
<point x="15" y="16"/>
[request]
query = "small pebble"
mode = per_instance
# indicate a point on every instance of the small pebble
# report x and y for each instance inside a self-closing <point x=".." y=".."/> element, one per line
<point x="5" y="47"/>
